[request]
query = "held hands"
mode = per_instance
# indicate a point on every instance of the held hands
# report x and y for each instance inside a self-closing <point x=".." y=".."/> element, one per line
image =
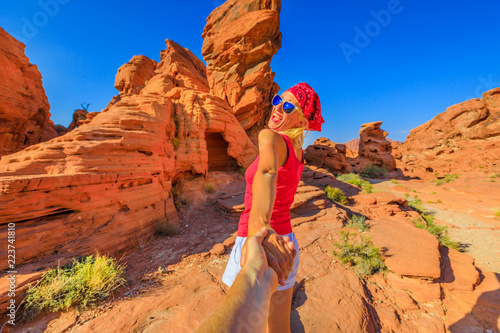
<point x="278" y="251"/>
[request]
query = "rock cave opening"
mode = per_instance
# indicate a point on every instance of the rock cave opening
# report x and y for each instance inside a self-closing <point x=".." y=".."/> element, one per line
<point x="218" y="159"/>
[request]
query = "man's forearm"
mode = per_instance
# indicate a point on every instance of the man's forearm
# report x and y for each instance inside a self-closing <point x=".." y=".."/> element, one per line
<point x="246" y="305"/>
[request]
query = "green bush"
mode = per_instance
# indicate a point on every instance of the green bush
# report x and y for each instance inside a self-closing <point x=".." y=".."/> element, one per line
<point x="439" y="231"/>
<point x="394" y="181"/>
<point x="446" y="179"/>
<point x="209" y="187"/>
<point x="176" y="142"/>
<point x="357" y="222"/>
<point x="374" y="170"/>
<point x="497" y="212"/>
<point x="336" y="195"/>
<point x="356" y="180"/>
<point x="164" y="227"/>
<point x="362" y="255"/>
<point x="81" y="283"/>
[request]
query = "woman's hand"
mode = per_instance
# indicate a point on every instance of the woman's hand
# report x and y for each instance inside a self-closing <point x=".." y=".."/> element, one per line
<point x="279" y="252"/>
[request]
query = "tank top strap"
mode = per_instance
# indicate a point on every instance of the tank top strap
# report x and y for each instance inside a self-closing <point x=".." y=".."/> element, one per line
<point x="291" y="152"/>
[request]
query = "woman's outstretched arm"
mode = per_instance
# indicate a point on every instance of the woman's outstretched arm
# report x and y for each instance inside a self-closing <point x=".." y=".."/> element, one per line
<point x="273" y="154"/>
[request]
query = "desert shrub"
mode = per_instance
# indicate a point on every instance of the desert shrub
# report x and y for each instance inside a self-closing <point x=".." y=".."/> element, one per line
<point x="446" y="179"/>
<point x="176" y="142"/>
<point x="357" y="222"/>
<point x="497" y="212"/>
<point x="356" y="180"/>
<point x="209" y="187"/>
<point x="336" y="195"/>
<point x="394" y="181"/>
<point x="361" y="254"/>
<point x="164" y="227"/>
<point x="374" y="170"/>
<point x="439" y="231"/>
<point x="82" y="283"/>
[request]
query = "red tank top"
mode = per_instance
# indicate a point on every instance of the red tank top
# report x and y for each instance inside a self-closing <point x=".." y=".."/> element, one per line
<point x="288" y="179"/>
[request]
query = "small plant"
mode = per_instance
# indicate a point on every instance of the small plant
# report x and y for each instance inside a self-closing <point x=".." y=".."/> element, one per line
<point x="336" y="195"/>
<point x="164" y="227"/>
<point x="439" y="231"/>
<point x="394" y="181"/>
<point x="357" y="222"/>
<point x="374" y="170"/>
<point x="82" y="284"/>
<point x="433" y="193"/>
<point x="176" y="190"/>
<point x="497" y="212"/>
<point x="492" y="181"/>
<point x="362" y="255"/>
<point x="446" y="179"/>
<point x="85" y="106"/>
<point x="209" y="187"/>
<point x="354" y="179"/>
<point x="176" y="142"/>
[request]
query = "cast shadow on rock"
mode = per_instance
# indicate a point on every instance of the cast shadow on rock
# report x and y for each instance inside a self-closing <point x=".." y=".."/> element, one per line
<point x="485" y="314"/>
<point x="299" y="298"/>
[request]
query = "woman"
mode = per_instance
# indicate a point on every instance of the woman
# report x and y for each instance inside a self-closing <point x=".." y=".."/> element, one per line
<point x="274" y="176"/>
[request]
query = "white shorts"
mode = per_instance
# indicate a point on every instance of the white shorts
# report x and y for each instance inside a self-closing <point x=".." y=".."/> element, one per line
<point x="233" y="265"/>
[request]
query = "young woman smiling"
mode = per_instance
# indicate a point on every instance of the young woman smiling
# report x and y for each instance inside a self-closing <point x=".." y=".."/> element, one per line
<point x="273" y="177"/>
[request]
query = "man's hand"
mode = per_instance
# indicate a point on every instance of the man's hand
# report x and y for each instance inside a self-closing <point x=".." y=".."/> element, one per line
<point x="278" y="251"/>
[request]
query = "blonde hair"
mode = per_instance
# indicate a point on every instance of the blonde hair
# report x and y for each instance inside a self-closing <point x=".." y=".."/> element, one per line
<point x="296" y="134"/>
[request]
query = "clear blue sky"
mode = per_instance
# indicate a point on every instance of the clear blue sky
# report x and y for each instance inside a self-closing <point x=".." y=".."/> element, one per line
<point x="403" y="69"/>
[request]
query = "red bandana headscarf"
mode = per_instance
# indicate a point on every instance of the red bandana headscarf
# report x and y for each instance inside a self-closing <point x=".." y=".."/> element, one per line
<point x="309" y="102"/>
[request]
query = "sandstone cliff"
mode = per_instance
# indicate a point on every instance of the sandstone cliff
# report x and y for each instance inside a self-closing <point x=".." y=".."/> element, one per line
<point x="103" y="185"/>
<point x="326" y="154"/>
<point x="466" y="137"/>
<point x="24" y="108"/>
<point x="241" y="37"/>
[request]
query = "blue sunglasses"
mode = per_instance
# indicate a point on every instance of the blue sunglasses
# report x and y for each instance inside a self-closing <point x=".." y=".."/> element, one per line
<point x="287" y="106"/>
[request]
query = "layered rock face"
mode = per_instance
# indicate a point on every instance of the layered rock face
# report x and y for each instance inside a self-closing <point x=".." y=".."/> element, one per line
<point x="24" y="108"/>
<point x="326" y="154"/>
<point x="374" y="148"/>
<point x="105" y="184"/>
<point x="466" y="137"/>
<point x="241" y="37"/>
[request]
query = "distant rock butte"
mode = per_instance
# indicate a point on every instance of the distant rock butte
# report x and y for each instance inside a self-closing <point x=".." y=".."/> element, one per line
<point x="327" y="154"/>
<point x="464" y="138"/>
<point x="241" y="37"/>
<point x="374" y="148"/>
<point x="24" y="108"/>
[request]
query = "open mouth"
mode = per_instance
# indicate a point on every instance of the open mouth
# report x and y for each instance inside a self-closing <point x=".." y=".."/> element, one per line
<point x="276" y="117"/>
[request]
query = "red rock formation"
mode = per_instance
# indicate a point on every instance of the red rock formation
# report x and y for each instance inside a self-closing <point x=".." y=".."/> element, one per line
<point x="327" y="154"/>
<point x="466" y="137"/>
<point x="374" y="148"/>
<point x="352" y="148"/>
<point x="241" y="37"/>
<point x="24" y="108"/>
<point x="103" y="185"/>
<point x="79" y="117"/>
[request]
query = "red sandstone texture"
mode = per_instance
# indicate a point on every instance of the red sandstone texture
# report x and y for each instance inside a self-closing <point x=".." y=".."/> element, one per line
<point x="429" y="288"/>
<point x="116" y="171"/>
<point x="241" y="37"/>
<point x="24" y="108"/>
<point x="464" y="138"/>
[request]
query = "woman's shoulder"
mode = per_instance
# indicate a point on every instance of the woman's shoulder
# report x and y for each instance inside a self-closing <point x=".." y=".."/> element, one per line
<point x="270" y="138"/>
